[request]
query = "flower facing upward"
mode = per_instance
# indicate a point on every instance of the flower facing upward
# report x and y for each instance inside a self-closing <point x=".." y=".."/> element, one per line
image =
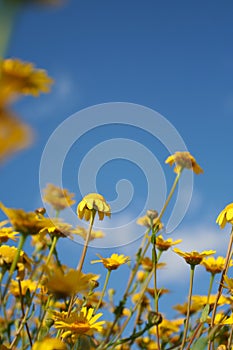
<point x="113" y="262"/>
<point x="93" y="202"/>
<point x="80" y="323"/>
<point x="58" y="198"/>
<point x="163" y="245"/>
<point x="215" y="265"/>
<point x="225" y="216"/>
<point x="194" y="258"/>
<point x="184" y="160"/>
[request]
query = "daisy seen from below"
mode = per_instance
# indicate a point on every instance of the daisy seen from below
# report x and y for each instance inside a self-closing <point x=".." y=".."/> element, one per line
<point x="82" y="232"/>
<point x="226" y="216"/>
<point x="82" y="322"/>
<point x="215" y="266"/>
<point x="184" y="160"/>
<point x="194" y="258"/>
<point x="113" y="262"/>
<point x="164" y="245"/>
<point x="93" y="202"/>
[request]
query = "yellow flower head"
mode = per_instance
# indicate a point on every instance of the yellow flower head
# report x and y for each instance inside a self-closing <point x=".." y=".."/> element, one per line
<point x="18" y="77"/>
<point x="82" y="232"/>
<point x="184" y="160"/>
<point x="113" y="262"/>
<point x="82" y="322"/>
<point x="93" y="202"/>
<point x="147" y="264"/>
<point x="58" y="198"/>
<point x="225" y="216"/>
<point x="202" y="300"/>
<point x="228" y="284"/>
<point x="194" y="258"/>
<point x="28" y="223"/>
<point x="25" y="285"/>
<point x="64" y="285"/>
<point x="49" y="344"/>
<point x="163" y="245"/>
<point x="6" y="232"/>
<point x="182" y="308"/>
<point x="14" y="135"/>
<point x="7" y="255"/>
<point x="215" y="265"/>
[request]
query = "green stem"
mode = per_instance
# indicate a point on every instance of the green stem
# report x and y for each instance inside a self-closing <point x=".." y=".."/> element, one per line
<point x="8" y="11"/>
<point x="104" y="290"/>
<point x="210" y="287"/>
<point x="188" y="307"/>
<point x="14" y="263"/>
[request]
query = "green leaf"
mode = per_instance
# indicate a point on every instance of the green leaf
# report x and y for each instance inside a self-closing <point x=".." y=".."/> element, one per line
<point x="200" y="344"/>
<point x="205" y="313"/>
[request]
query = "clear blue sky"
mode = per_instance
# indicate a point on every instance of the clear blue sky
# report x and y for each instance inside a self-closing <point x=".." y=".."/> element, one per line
<point x="175" y="57"/>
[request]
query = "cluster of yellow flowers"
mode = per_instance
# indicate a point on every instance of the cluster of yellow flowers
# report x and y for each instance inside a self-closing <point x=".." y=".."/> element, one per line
<point x="47" y="305"/>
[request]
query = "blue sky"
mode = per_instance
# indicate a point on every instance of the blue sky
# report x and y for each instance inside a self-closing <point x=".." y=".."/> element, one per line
<point x="174" y="57"/>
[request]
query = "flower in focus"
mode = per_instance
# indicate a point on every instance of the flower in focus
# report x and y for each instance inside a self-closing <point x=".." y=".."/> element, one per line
<point x="225" y="216"/>
<point x="82" y="232"/>
<point x="25" y="285"/>
<point x="81" y="322"/>
<point x="49" y="344"/>
<point x="28" y="223"/>
<point x="14" y="135"/>
<point x="215" y="265"/>
<point x="6" y="232"/>
<point x="164" y="245"/>
<point x="7" y="255"/>
<point x="113" y="262"/>
<point x="65" y="285"/>
<point x="194" y="258"/>
<point x="93" y="202"/>
<point x="184" y="160"/>
<point x="18" y="77"/>
<point x="58" y="198"/>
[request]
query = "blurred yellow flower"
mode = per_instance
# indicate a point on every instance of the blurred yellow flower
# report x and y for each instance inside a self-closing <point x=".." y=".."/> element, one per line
<point x="58" y="198"/>
<point x="28" y="223"/>
<point x="93" y="202"/>
<point x="163" y="245"/>
<point x="203" y="299"/>
<point x="225" y="216"/>
<point x="182" y="308"/>
<point x="150" y="219"/>
<point x="14" y="135"/>
<point x="215" y="265"/>
<point x="18" y="77"/>
<point x="49" y="344"/>
<point x="148" y="264"/>
<point x="228" y="284"/>
<point x="7" y="255"/>
<point x="25" y="285"/>
<point x="7" y="232"/>
<point x="113" y="262"/>
<point x="184" y="160"/>
<point x="63" y="285"/>
<point x="194" y="258"/>
<point x="82" y="232"/>
<point x="81" y="322"/>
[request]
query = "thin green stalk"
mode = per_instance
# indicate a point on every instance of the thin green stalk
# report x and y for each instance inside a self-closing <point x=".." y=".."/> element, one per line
<point x="81" y="262"/>
<point x="23" y="313"/>
<point x="210" y="287"/>
<point x="8" y="11"/>
<point x="104" y="290"/>
<point x="192" y="268"/>
<point x="229" y="344"/>
<point x="156" y="297"/>
<point x="220" y="288"/>
<point x="14" y="263"/>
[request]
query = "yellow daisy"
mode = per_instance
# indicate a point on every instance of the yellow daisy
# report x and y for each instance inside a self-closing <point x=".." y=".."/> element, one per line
<point x="7" y="232"/>
<point x="215" y="265"/>
<point x="25" y="285"/>
<point x="113" y="262"/>
<point x="7" y="255"/>
<point x="226" y="216"/>
<point x="58" y="198"/>
<point x="194" y="258"/>
<point x="184" y="160"/>
<point x="164" y="245"/>
<point x="81" y="322"/>
<point x="93" y="202"/>
<point x="82" y="232"/>
<point x="49" y="344"/>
